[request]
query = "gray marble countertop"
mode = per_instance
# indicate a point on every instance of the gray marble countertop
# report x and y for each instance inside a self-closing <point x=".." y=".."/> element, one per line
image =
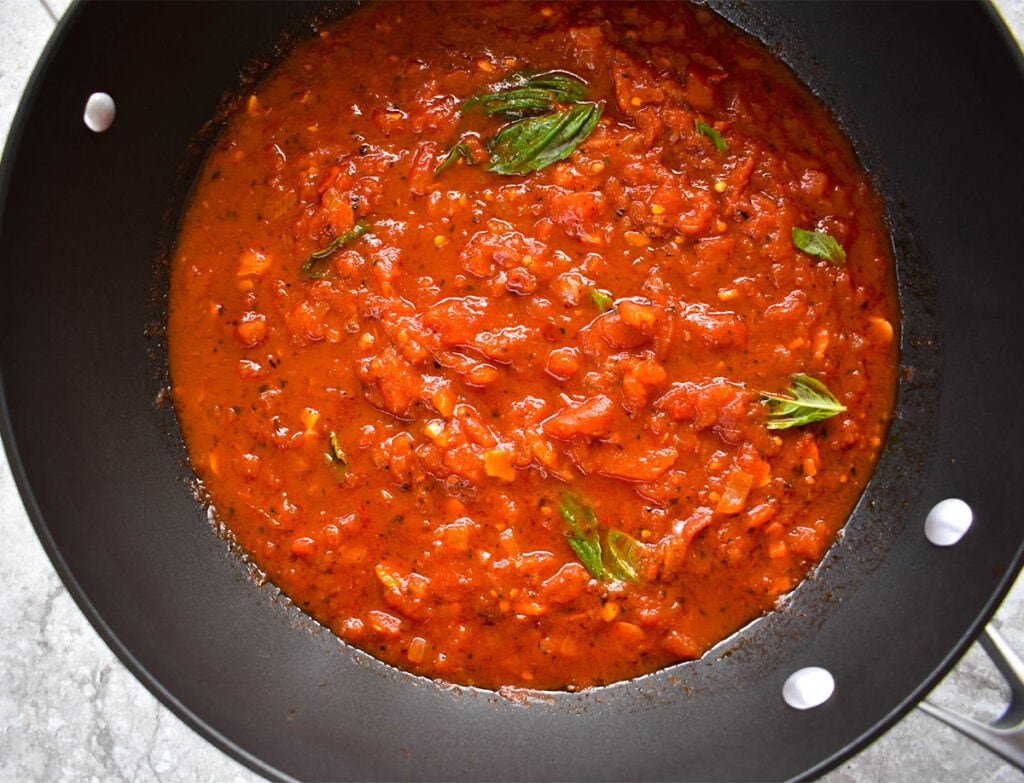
<point x="69" y="710"/>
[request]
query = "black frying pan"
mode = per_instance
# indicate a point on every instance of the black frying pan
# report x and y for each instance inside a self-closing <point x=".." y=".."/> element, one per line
<point x="933" y="100"/>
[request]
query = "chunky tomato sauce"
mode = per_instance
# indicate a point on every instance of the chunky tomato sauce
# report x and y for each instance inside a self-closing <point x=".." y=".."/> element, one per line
<point x="510" y="429"/>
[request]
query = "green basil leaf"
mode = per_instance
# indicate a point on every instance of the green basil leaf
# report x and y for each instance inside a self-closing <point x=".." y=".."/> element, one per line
<point x="582" y="535"/>
<point x="314" y="268"/>
<point x="716" y="138"/>
<point x="807" y="401"/>
<point x="602" y="300"/>
<point x="459" y="150"/>
<point x="564" y="86"/>
<point x="606" y="553"/>
<point x="514" y="104"/>
<point x="578" y="515"/>
<point x="535" y="142"/>
<point x="588" y="549"/>
<point x="819" y="244"/>
<point x="336" y="457"/>
<point x="523" y="94"/>
<point x="622" y="557"/>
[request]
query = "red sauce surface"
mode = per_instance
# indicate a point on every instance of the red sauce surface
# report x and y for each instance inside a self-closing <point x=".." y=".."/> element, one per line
<point x="600" y="330"/>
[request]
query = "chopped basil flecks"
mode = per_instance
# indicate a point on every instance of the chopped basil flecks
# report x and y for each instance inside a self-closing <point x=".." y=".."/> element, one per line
<point x="314" y="268"/>
<point x="548" y="117"/>
<point x="820" y="245"/>
<point x="535" y="142"/>
<point x="602" y="300"/>
<point x="336" y="457"/>
<point x="716" y="138"/>
<point x="460" y="150"/>
<point x="808" y="400"/>
<point x="606" y="553"/>
<point x="523" y="94"/>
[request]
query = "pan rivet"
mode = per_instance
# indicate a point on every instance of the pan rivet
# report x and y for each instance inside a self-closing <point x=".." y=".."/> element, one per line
<point x="99" y="112"/>
<point x="809" y="687"/>
<point x="948" y="522"/>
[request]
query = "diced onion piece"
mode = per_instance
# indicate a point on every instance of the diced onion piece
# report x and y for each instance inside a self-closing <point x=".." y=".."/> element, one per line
<point x="417" y="650"/>
<point x="881" y="329"/>
<point x="636" y="314"/>
<point x="443" y="401"/>
<point x="385" y="624"/>
<point x="309" y="417"/>
<point x="734" y="496"/>
<point x="498" y="464"/>
<point x="252" y="262"/>
<point x="304" y="546"/>
<point x="387" y="577"/>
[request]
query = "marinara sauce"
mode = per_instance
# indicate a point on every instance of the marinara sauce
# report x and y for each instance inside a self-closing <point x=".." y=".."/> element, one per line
<point x="510" y="429"/>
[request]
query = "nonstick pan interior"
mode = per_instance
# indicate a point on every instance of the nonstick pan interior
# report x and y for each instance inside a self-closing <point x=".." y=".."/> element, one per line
<point x="101" y="468"/>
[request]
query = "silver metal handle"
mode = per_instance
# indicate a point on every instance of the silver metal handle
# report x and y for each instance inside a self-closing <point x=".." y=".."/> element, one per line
<point x="1004" y="736"/>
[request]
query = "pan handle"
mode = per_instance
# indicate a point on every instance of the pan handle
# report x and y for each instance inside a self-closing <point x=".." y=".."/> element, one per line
<point x="1004" y="736"/>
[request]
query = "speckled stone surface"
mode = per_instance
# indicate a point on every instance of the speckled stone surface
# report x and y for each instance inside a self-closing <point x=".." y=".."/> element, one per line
<point x="70" y="711"/>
